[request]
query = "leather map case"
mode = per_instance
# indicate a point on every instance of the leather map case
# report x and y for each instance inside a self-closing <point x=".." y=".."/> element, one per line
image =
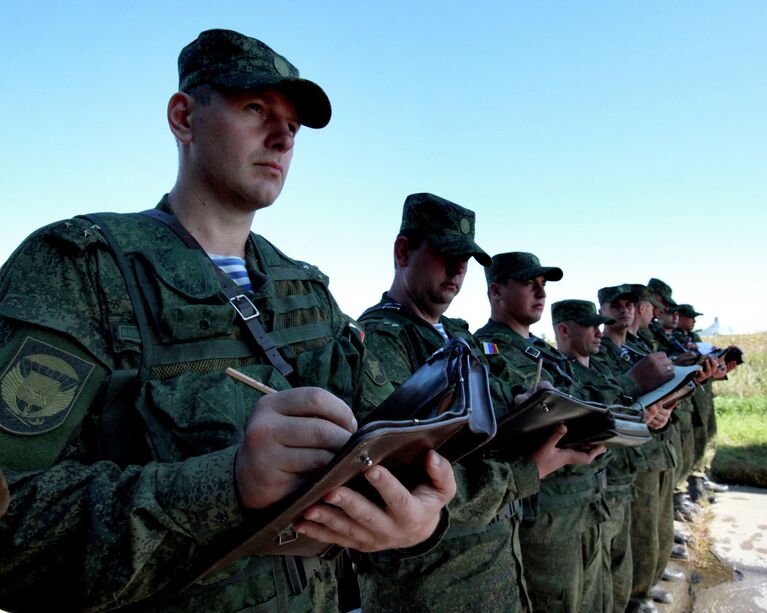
<point x="445" y="405"/>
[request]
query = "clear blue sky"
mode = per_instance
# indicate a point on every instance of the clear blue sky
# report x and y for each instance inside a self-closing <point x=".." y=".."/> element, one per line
<point x="617" y="140"/>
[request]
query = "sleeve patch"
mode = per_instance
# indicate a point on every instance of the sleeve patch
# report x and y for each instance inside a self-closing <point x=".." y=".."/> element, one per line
<point x="39" y="387"/>
<point x="490" y="348"/>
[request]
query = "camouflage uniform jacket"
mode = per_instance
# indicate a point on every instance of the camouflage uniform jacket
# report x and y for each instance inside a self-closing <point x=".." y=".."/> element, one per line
<point x="403" y="341"/>
<point x="85" y="532"/>
<point x="657" y="454"/>
<point x="666" y="342"/>
<point x="703" y="398"/>
<point x="578" y="490"/>
<point x="478" y="566"/>
<point x="646" y="339"/>
<point x="638" y="345"/>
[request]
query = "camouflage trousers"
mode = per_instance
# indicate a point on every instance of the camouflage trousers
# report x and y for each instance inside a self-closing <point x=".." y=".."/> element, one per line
<point x="652" y="528"/>
<point x="566" y="569"/>
<point x="705" y="443"/>
<point x="665" y="520"/>
<point x="684" y="441"/>
<point x="478" y="571"/>
<point x="617" y="545"/>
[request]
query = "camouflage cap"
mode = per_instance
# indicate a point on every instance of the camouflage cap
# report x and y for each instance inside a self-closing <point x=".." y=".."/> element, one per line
<point x="645" y="293"/>
<point x="520" y="266"/>
<point x="229" y="59"/>
<point x="582" y="312"/>
<point x="687" y="310"/>
<point x="615" y="292"/>
<point x="447" y="226"/>
<point x="663" y="291"/>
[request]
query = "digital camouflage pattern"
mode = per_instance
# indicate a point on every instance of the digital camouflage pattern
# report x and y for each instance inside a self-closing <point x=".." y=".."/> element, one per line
<point x="582" y="312"/>
<point x="682" y="431"/>
<point x="562" y="535"/>
<point x="477" y="566"/>
<point x="613" y="293"/>
<point x="521" y="266"/>
<point x="704" y="417"/>
<point x="650" y="468"/>
<point x="663" y="290"/>
<point x="96" y="535"/>
<point x="644" y="293"/>
<point x="228" y="59"/>
<point x="447" y="226"/>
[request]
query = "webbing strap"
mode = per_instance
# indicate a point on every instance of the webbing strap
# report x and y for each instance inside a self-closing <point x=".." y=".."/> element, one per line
<point x="245" y="309"/>
<point x="303" y="333"/>
<point x="292" y="303"/>
<point x="113" y="417"/>
<point x="542" y="351"/>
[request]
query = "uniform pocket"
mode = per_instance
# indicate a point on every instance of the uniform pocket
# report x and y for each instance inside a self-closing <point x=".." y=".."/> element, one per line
<point x="193" y="414"/>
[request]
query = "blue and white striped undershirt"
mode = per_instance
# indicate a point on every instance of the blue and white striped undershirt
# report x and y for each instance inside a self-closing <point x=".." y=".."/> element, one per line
<point x="234" y="267"/>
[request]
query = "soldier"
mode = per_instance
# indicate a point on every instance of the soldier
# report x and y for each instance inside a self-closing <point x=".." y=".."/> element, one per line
<point x="577" y="329"/>
<point x="478" y="564"/>
<point x="561" y="540"/>
<point x="700" y="487"/>
<point x="652" y="463"/>
<point x="128" y="451"/>
<point x="682" y="420"/>
<point x="639" y="339"/>
<point x="578" y="334"/>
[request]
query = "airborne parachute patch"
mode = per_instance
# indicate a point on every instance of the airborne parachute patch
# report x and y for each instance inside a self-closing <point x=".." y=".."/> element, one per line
<point x="39" y="387"/>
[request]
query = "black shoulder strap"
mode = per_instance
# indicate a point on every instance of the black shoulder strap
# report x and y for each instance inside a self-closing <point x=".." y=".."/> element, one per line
<point x="542" y="352"/>
<point x="391" y="306"/>
<point x="245" y="309"/>
<point x="122" y="382"/>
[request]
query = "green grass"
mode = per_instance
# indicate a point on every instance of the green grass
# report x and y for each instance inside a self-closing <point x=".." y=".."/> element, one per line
<point x="741" y="409"/>
<point x="741" y="455"/>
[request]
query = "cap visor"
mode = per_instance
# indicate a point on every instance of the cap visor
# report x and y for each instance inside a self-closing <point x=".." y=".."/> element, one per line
<point x="550" y="273"/>
<point x="310" y="100"/>
<point x="464" y="247"/>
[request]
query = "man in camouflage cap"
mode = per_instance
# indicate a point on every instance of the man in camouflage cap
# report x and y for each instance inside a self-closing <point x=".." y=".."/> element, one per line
<point x="700" y="487"/>
<point x="130" y="455"/>
<point x="665" y="318"/>
<point x="639" y="339"/>
<point x="577" y="329"/>
<point x="651" y="464"/>
<point x="561" y="535"/>
<point x="446" y="226"/>
<point x="477" y="565"/>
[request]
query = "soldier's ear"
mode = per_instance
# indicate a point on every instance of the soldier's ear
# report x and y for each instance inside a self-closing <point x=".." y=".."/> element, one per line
<point x="180" y="108"/>
<point x="401" y="251"/>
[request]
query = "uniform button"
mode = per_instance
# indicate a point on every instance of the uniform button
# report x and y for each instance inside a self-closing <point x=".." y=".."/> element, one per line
<point x="205" y="324"/>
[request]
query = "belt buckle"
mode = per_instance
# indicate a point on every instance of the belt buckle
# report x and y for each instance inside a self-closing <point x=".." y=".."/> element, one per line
<point x="244" y="301"/>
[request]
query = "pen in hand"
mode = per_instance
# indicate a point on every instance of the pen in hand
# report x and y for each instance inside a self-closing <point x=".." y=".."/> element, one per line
<point x="238" y="376"/>
<point x="538" y="374"/>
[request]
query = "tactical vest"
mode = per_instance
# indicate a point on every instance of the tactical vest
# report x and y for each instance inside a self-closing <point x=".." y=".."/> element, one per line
<point x="179" y="322"/>
<point x="173" y="339"/>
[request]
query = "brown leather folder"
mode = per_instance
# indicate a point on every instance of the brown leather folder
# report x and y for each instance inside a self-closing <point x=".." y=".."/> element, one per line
<point x="445" y="405"/>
